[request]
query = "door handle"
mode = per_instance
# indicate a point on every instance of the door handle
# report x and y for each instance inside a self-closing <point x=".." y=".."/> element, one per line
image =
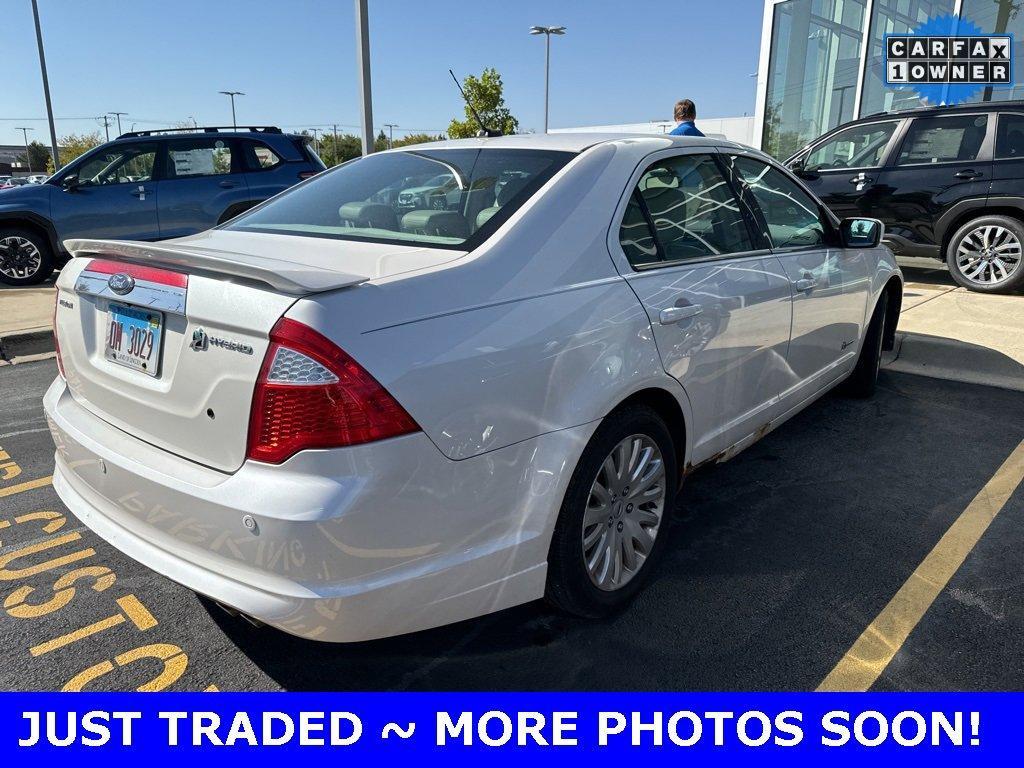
<point x="806" y="284"/>
<point x="229" y="184"/>
<point x="861" y="178"/>
<point x="675" y="314"/>
<point x="968" y="173"/>
<point x="139" y="192"/>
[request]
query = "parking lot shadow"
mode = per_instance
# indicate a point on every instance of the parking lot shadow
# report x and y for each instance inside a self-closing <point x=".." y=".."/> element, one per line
<point x="777" y="562"/>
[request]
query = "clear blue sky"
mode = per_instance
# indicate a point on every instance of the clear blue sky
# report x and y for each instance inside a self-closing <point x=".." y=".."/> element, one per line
<point x="165" y="61"/>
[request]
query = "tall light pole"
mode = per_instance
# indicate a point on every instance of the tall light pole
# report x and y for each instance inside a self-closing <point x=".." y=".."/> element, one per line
<point x="118" y="116"/>
<point x="231" y="95"/>
<point x="547" y="32"/>
<point x="46" y="89"/>
<point x="316" y="139"/>
<point x="106" y="125"/>
<point x="334" y="147"/>
<point x="363" y="64"/>
<point x="28" y="157"/>
<point x="391" y="134"/>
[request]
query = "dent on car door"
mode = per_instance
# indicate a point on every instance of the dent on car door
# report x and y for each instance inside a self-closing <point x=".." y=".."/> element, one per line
<point x="719" y="307"/>
<point x="831" y="284"/>
<point x="843" y="169"/>
<point x="203" y="177"/>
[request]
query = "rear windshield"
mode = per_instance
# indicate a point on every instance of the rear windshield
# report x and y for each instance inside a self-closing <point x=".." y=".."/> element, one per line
<point x="442" y="198"/>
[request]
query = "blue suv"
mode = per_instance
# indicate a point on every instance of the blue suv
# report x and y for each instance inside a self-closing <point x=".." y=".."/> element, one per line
<point x="147" y="185"/>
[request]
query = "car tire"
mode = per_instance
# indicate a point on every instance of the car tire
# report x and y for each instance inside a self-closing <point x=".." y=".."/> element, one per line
<point x="973" y="258"/>
<point x="25" y="257"/>
<point x="633" y="518"/>
<point x="861" y="383"/>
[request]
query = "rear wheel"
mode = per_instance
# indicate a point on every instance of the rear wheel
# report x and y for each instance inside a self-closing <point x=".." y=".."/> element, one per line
<point x="25" y="257"/>
<point x="986" y="254"/>
<point x="611" y="528"/>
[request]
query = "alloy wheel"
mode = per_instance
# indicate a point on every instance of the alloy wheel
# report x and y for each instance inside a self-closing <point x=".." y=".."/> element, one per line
<point x="624" y="512"/>
<point x="988" y="255"/>
<point x="19" y="257"/>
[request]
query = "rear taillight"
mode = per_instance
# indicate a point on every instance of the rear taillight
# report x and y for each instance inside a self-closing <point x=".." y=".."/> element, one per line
<point x="56" y="340"/>
<point x="310" y="394"/>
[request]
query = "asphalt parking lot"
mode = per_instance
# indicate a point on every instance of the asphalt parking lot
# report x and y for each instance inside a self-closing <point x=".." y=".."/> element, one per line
<point x="779" y="561"/>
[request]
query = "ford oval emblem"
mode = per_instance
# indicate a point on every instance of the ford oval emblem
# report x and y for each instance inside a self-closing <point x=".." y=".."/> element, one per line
<point x="121" y="283"/>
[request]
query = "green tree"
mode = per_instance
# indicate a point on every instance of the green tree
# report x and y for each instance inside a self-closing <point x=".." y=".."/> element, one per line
<point x="347" y="148"/>
<point x="486" y="94"/>
<point x="73" y="145"/>
<point x="37" y="158"/>
<point x="381" y="142"/>
<point x="417" y="138"/>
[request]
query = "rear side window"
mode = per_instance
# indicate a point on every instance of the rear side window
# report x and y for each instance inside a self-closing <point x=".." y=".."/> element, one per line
<point x="1010" y="136"/>
<point x="692" y="210"/>
<point x="441" y="198"/>
<point x="943" y="139"/>
<point x="861" y="146"/>
<point x="262" y="157"/>
<point x="198" y="157"/>
<point x="793" y="216"/>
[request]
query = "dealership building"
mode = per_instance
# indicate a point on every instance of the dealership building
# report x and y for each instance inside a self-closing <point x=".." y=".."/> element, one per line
<point x="823" y="61"/>
<point x="823" y="64"/>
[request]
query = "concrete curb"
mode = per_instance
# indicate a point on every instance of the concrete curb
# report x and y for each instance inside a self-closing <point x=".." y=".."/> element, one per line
<point x="31" y="341"/>
<point x="953" y="360"/>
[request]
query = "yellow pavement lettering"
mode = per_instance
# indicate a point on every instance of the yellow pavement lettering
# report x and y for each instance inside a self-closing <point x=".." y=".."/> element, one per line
<point x="13" y="574"/>
<point x="16" y="604"/>
<point x="132" y="610"/>
<point x="26" y="486"/>
<point x="175" y="662"/>
<point x="879" y="643"/>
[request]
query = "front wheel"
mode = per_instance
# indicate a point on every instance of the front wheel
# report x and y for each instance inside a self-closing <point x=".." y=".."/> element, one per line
<point x="985" y="254"/>
<point x="25" y="257"/>
<point x="861" y="383"/>
<point x="611" y="527"/>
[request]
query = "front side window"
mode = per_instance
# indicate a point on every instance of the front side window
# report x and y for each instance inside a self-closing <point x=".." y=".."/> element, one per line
<point x="118" y="164"/>
<point x="943" y="139"/>
<point x="793" y="217"/>
<point x="198" y="157"/>
<point x="443" y="197"/>
<point x="1010" y="136"/>
<point x="861" y="146"/>
<point x="692" y="209"/>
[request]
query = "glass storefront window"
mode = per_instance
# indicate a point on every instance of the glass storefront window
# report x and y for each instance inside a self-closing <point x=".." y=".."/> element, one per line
<point x="997" y="17"/>
<point x="894" y="17"/>
<point x="812" y="71"/>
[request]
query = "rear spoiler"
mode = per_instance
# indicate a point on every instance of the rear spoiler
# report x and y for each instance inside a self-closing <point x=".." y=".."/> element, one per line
<point x="283" y="276"/>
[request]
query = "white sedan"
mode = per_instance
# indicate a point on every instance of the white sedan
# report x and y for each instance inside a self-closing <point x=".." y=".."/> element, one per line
<point x="350" y="420"/>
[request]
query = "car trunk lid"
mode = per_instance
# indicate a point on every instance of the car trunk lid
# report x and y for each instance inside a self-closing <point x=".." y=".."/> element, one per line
<point x="165" y="341"/>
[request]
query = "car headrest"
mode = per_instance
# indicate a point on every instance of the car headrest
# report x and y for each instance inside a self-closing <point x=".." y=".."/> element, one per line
<point x="510" y="189"/>
<point x="440" y="223"/>
<point x="372" y="215"/>
<point x="485" y="215"/>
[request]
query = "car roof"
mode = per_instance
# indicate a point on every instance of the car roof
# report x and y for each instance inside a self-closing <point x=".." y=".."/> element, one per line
<point x="925" y="111"/>
<point x="564" y="142"/>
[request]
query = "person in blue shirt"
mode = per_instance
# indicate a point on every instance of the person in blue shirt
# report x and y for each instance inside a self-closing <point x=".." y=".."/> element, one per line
<point x="685" y="114"/>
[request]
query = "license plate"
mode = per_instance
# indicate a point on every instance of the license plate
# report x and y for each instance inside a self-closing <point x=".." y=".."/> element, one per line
<point x="133" y="337"/>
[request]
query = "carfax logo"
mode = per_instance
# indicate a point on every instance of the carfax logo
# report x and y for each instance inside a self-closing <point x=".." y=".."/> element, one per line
<point x="948" y="59"/>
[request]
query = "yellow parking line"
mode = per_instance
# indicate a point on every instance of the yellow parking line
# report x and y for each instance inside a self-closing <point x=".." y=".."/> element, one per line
<point x="28" y="486"/>
<point x="879" y="643"/>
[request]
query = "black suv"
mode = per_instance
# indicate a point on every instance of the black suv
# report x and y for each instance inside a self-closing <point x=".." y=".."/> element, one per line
<point x="947" y="181"/>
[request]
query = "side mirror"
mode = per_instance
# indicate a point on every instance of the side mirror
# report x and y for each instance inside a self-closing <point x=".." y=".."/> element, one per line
<point x="70" y="182"/>
<point x="861" y="233"/>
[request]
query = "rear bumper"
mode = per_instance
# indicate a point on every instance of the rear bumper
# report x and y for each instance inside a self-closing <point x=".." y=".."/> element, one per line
<point x="348" y="545"/>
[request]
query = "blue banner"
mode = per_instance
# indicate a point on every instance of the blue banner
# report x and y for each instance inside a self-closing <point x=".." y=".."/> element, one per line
<point x="506" y="728"/>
